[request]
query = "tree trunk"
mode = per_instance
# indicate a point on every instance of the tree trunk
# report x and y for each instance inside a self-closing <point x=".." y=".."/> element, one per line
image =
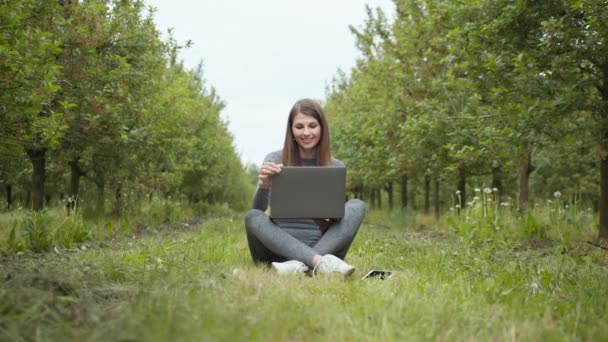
<point x="403" y="191"/>
<point x="372" y="195"/>
<point x="101" y="200"/>
<point x="118" y="203"/>
<point x="525" y="169"/>
<point x="75" y="174"/>
<point x="603" y="205"/>
<point x="100" y="182"/>
<point x="412" y="200"/>
<point x="427" y="194"/>
<point x="9" y="196"/>
<point x="436" y="199"/>
<point x="389" y="191"/>
<point x="497" y="183"/>
<point x="37" y="157"/>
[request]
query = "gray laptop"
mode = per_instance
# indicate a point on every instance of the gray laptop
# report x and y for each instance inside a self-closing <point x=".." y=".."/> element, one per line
<point x="308" y="192"/>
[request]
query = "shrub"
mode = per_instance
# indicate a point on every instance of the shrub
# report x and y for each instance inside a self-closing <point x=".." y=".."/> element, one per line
<point x="39" y="231"/>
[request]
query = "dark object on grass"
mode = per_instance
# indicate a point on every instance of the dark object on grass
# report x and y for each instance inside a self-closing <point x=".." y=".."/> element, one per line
<point x="597" y="245"/>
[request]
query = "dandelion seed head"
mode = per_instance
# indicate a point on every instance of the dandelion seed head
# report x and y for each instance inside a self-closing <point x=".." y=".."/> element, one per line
<point x="495" y="189"/>
<point x="557" y="194"/>
<point x="475" y="198"/>
<point x="457" y="192"/>
<point x="534" y="287"/>
<point x="457" y="205"/>
<point x="504" y="204"/>
<point x="487" y="190"/>
<point x="477" y="189"/>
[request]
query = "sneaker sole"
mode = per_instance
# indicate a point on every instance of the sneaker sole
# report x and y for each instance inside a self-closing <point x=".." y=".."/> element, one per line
<point x="349" y="272"/>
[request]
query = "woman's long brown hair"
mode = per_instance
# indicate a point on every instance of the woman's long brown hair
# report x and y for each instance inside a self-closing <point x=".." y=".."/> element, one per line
<point x="291" y="152"/>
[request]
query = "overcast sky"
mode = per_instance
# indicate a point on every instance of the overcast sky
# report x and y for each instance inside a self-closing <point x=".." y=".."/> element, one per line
<point x="263" y="55"/>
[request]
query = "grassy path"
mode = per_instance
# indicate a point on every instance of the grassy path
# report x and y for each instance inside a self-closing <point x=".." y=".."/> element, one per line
<point x="199" y="284"/>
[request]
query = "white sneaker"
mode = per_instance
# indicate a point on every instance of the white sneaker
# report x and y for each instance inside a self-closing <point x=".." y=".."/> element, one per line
<point x="331" y="263"/>
<point x="290" y="267"/>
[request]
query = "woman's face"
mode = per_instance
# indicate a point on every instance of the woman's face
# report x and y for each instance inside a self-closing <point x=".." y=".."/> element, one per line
<point x="306" y="131"/>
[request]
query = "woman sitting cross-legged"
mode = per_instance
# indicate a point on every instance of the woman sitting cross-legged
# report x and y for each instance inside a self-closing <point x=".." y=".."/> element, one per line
<point x="301" y="245"/>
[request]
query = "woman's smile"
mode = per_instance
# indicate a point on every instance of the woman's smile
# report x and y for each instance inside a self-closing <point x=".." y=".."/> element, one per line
<point x="306" y="131"/>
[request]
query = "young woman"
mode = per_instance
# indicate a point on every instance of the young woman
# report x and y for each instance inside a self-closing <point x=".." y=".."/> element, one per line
<point x="300" y="245"/>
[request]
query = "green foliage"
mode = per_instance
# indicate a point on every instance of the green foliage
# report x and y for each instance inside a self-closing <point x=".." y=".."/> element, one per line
<point x="33" y="231"/>
<point x="461" y="92"/>
<point x="160" y="211"/>
<point x="116" y="111"/>
<point x="39" y="231"/>
<point x="73" y="230"/>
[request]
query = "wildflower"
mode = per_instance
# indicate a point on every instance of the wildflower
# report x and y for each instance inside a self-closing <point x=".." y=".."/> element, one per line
<point x="476" y="198"/>
<point x="566" y="206"/>
<point x="549" y="201"/>
<point x="470" y="204"/>
<point x="504" y="204"/>
<point x="457" y="192"/>
<point x="495" y="189"/>
<point x="534" y="287"/>
<point x="487" y="190"/>
<point x="477" y="190"/>
<point x="457" y="205"/>
<point x="452" y="208"/>
<point x="557" y="194"/>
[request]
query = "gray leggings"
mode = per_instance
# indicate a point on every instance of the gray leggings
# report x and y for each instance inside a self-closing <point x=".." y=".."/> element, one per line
<point x="268" y="242"/>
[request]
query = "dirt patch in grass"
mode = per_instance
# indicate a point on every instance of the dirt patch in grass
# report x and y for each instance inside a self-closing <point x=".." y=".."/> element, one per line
<point x="533" y="244"/>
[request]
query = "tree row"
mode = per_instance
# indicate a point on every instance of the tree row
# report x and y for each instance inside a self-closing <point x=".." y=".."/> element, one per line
<point x="452" y="95"/>
<point x="89" y="91"/>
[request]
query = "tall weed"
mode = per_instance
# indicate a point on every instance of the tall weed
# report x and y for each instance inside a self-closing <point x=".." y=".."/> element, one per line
<point x="32" y="232"/>
<point x="38" y="231"/>
<point x="484" y="218"/>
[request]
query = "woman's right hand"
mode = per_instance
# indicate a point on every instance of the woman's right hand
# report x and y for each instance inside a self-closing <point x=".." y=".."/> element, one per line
<point x="266" y="171"/>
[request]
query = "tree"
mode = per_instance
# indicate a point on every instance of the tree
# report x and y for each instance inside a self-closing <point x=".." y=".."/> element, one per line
<point x="577" y="42"/>
<point x="32" y="117"/>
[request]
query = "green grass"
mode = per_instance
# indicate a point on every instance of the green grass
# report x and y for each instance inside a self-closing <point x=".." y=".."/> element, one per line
<point x="198" y="283"/>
